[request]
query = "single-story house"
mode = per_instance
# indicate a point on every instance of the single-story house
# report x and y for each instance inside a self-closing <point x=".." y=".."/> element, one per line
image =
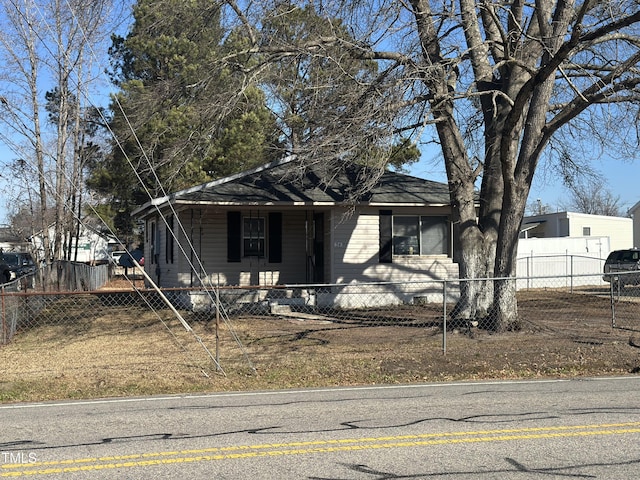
<point x="279" y="224"/>
<point x="10" y="242"/>
<point x="88" y="245"/>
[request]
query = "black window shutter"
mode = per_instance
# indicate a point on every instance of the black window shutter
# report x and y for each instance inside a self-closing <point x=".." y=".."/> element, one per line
<point x="234" y="236"/>
<point x="386" y="237"/>
<point x="275" y="237"/>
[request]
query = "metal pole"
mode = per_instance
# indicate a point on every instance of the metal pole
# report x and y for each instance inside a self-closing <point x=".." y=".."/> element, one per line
<point x="218" y="367"/>
<point x="5" y="334"/>
<point x="613" y="307"/>
<point x="444" y="317"/>
<point x="571" y="260"/>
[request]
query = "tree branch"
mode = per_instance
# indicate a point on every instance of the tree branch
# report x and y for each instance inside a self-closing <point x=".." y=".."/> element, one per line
<point x="596" y="93"/>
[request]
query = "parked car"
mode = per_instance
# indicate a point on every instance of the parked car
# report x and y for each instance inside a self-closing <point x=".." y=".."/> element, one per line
<point x="126" y="260"/>
<point x="19" y="263"/>
<point x="626" y="263"/>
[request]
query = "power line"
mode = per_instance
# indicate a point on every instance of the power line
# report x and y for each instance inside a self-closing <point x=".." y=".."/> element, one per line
<point x="82" y="93"/>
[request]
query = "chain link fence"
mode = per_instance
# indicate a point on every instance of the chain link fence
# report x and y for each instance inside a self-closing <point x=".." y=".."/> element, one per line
<point x="26" y="307"/>
<point x="22" y="299"/>
<point x="138" y="329"/>
<point x="624" y="293"/>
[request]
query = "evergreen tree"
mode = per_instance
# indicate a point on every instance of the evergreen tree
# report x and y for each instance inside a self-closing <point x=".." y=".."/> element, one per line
<point x="179" y="117"/>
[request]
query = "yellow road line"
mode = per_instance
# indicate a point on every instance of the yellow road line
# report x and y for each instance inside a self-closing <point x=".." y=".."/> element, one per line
<point x="311" y="447"/>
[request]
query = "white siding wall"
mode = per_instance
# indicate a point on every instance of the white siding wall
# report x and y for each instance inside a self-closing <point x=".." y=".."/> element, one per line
<point x="351" y="256"/>
<point x="355" y="253"/>
<point x="572" y="224"/>
<point x="354" y="246"/>
<point x="207" y="231"/>
<point x="354" y="256"/>
<point x="618" y="229"/>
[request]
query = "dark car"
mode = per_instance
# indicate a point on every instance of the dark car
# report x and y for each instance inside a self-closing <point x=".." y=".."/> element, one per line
<point x="126" y="259"/>
<point x="626" y="263"/>
<point x="19" y="264"/>
<point x="5" y="272"/>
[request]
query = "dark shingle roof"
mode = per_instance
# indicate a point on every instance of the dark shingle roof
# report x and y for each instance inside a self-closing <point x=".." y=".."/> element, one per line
<point x="286" y="182"/>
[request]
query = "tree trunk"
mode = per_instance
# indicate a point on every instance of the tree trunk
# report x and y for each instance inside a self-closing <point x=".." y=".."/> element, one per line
<point x="504" y="314"/>
<point x="477" y="254"/>
<point x="38" y="141"/>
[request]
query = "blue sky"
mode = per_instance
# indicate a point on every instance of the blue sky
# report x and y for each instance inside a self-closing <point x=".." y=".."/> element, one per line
<point x="620" y="178"/>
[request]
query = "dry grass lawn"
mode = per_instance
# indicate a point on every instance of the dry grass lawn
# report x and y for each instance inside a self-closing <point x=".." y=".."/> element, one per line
<point x="125" y="351"/>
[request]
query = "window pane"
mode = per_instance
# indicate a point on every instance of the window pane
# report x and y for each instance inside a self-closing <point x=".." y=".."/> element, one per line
<point x="405" y="236"/>
<point x="253" y="227"/>
<point x="434" y="235"/>
<point x="253" y="247"/>
<point x="253" y="236"/>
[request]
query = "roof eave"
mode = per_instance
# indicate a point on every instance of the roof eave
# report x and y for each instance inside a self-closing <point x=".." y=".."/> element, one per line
<point x="308" y="204"/>
<point x="156" y="202"/>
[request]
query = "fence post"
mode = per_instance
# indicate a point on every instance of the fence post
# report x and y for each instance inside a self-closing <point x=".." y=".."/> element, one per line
<point x="571" y="279"/>
<point x="3" y="313"/>
<point x="613" y="303"/>
<point x="444" y="317"/>
<point x="217" y="300"/>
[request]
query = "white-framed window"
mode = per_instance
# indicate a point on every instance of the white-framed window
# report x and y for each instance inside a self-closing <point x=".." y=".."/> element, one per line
<point x="420" y="235"/>
<point x="586" y="231"/>
<point x="253" y="235"/>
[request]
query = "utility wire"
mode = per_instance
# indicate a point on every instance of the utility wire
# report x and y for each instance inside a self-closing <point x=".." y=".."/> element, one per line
<point x="213" y="298"/>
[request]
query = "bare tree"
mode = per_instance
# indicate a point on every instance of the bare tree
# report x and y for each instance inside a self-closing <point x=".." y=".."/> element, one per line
<point x="497" y="84"/>
<point x="49" y="46"/>
<point x="21" y="101"/>
<point x="594" y="198"/>
<point x="75" y="26"/>
<point x="538" y="208"/>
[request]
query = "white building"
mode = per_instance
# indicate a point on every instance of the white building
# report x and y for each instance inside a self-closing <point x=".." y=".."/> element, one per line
<point x="568" y="244"/>
<point x="620" y="230"/>
<point x="89" y="247"/>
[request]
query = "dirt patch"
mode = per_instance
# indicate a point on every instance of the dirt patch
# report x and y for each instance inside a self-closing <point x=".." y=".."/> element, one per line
<point x="120" y="350"/>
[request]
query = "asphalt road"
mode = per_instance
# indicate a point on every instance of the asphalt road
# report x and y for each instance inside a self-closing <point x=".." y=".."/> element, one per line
<point x="587" y="428"/>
